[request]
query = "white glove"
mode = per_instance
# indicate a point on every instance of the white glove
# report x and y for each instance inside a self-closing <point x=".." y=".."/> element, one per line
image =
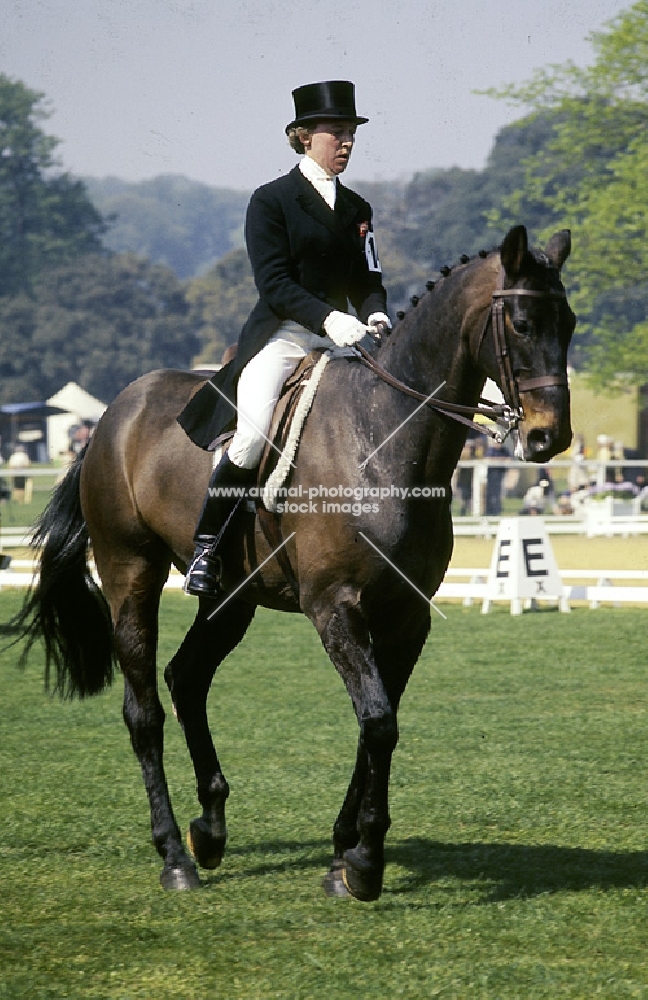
<point x="378" y="320"/>
<point x="344" y="329"/>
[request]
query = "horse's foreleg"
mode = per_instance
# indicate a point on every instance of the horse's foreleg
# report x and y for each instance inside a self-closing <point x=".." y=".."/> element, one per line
<point x="345" y="636"/>
<point x="189" y="676"/>
<point x="135" y="643"/>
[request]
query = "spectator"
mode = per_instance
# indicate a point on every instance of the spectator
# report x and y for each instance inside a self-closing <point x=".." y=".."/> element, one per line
<point x="19" y="459"/>
<point x="465" y="478"/>
<point x="494" y="479"/>
<point x="578" y="477"/>
<point x="537" y="498"/>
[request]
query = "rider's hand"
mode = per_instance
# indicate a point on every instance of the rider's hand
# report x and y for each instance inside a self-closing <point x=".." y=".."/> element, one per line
<point x="344" y="329"/>
<point x="379" y="323"/>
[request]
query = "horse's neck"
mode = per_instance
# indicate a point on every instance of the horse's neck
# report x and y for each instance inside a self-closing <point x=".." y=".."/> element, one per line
<point x="430" y="350"/>
<point x="432" y="344"/>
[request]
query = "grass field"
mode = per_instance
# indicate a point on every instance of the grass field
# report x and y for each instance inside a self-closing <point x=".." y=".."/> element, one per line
<point x="571" y="551"/>
<point x="18" y="514"/>
<point x="517" y="860"/>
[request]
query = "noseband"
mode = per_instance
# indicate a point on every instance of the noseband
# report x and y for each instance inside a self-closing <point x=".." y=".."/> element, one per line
<point x="507" y="415"/>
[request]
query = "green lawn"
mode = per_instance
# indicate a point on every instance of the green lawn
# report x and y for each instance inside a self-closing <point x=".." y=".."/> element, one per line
<point x="517" y="861"/>
<point x="14" y="513"/>
<point x="571" y="552"/>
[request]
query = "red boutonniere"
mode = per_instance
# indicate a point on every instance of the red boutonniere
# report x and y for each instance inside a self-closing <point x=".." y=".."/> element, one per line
<point x="363" y="229"/>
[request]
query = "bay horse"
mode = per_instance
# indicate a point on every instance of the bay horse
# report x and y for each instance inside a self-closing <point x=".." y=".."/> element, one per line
<point x="362" y="572"/>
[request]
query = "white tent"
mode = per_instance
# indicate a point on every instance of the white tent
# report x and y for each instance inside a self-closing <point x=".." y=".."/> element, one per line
<point x="81" y="406"/>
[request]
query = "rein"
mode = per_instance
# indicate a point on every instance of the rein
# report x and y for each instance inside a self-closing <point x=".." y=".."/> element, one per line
<point x="458" y="412"/>
<point x="507" y="414"/>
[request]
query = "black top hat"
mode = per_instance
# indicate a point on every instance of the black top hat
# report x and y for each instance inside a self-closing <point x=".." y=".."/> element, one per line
<point x="327" y="101"/>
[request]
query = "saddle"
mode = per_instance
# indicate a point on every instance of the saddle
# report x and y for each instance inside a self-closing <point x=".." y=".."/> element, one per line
<point x="231" y="548"/>
<point x="284" y="413"/>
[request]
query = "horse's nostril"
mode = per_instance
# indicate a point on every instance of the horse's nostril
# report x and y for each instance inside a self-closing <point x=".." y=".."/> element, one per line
<point x="538" y="440"/>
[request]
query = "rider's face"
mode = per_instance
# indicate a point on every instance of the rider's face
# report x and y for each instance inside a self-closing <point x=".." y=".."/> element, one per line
<point x="330" y="145"/>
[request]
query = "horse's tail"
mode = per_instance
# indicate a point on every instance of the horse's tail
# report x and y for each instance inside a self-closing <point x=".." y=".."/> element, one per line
<point x="65" y="607"/>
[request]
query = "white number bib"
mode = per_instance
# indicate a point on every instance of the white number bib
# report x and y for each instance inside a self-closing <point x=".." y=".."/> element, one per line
<point x="371" y="253"/>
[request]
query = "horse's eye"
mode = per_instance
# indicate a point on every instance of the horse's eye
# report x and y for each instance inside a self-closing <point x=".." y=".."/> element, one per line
<point x="522" y="326"/>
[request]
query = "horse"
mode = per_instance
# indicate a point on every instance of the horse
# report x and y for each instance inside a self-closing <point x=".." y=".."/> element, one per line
<point x="363" y="572"/>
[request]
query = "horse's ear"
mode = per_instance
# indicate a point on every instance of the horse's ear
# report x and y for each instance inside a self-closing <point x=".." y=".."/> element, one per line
<point x="558" y="248"/>
<point x="513" y="249"/>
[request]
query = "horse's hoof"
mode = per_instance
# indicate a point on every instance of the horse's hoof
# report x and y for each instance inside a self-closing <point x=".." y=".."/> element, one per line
<point x="180" y="878"/>
<point x="207" y="849"/>
<point x="333" y="881"/>
<point x="364" y="881"/>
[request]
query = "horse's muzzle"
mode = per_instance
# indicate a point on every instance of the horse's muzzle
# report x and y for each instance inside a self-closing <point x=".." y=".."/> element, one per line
<point x="539" y="444"/>
<point x="545" y="430"/>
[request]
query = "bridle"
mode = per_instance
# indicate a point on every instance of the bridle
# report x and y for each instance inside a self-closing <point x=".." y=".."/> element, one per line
<point x="510" y="385"/>
<point x="505" y="415"/>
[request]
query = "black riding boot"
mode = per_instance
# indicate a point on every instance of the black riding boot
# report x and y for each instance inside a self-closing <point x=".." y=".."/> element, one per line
<point x="203" y="575"/>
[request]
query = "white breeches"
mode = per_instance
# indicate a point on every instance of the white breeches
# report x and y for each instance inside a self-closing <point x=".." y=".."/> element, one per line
<point x="259" y="387"/>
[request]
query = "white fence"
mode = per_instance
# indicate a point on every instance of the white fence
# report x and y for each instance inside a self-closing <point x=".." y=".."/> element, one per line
<point x="594" y="521"/>
<point x="467" y="585"/>
<point x="470" y="585"/>
<point x="583" y="486"/>
<point x="14" y="538"/>
<point x="585" y="498"/>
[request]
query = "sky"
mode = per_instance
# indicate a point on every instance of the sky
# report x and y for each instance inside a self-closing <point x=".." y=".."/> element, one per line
<point x="139" y="88"/>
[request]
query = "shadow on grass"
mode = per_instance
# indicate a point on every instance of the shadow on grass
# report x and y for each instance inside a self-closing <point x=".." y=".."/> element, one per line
<point x="502" y="871"/>
<point x="273" y="857"/>
<point x="507" y="871"/>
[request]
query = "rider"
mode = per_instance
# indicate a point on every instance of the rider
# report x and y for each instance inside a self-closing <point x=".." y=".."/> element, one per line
<point x="312" y="249"/>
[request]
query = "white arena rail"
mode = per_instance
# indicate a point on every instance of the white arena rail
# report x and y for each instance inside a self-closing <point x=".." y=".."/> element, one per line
<point x="473" y="527"/>
<point x="468" y="585"/>
<point x="603" y="591"/>
<point x="621" y="524"/>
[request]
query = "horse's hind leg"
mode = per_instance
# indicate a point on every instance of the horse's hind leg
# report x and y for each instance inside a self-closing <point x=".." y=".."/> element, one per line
<point x="133" y="586"/>
<point x="189" y="676"/>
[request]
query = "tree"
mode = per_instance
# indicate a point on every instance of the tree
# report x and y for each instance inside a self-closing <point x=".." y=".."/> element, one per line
<point x="19" y="360"/>
<point x="593" y="175"/>
<point x="171" y="220"/>
<point x="441" y="214"/>
<point x="101" y="321"/>
<point x="221" y="302"/>
<point x="45" y="217"/>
